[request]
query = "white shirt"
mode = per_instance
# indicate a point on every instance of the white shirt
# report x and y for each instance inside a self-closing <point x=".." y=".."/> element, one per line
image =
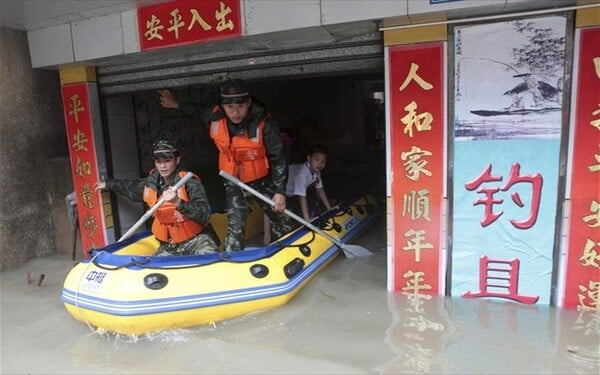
<point x="300" y="178"/>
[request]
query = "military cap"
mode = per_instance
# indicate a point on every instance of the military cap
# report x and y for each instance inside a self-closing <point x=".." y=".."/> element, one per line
<point x="234" y="91"/>
<point x="164" y="149"/>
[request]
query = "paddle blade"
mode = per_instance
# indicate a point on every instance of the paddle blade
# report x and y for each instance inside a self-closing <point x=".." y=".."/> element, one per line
<point x="355" y="251"/>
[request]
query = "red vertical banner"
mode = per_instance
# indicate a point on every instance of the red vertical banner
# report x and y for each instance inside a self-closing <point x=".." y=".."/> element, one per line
<point x="417" y="129"/>
<point x="582" y="283"/>
<point x="188" y="21"/>
<point x="84" y="165"/>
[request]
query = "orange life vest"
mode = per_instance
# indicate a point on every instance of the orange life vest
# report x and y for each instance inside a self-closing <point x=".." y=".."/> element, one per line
<point x="169" y="224"/>
<point x="240" y="156"/>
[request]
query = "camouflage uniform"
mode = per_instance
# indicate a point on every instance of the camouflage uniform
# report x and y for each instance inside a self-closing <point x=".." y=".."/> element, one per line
<point x="237" y="205"/>
<point x="238" y="209"/>
<point x="197" y="209"/>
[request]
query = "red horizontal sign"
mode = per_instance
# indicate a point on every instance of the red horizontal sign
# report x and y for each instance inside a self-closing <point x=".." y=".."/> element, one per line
<point x="188" y="21"/>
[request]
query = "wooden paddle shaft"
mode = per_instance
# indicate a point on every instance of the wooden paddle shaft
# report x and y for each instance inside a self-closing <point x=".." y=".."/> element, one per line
<point x="287" y="212"/>
<point x="151" y="211"/>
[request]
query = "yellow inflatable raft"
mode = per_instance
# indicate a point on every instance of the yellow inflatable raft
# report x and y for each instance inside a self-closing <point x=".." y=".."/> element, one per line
<point x="123" y="289"/>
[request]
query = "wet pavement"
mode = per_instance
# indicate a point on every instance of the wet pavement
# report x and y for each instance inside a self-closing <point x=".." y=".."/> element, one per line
<point x="342" y="322"/>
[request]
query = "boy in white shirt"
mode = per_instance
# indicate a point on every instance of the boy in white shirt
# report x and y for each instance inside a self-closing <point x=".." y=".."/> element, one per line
<point x="300" y="177"/>
<point x="303" y="175"/>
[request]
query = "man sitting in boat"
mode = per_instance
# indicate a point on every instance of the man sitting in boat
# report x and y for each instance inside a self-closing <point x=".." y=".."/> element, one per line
<point x="180" y="222"/>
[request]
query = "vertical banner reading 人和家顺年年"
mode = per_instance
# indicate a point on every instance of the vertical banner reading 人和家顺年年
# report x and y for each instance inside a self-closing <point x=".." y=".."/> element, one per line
<point x="417" y="154"/>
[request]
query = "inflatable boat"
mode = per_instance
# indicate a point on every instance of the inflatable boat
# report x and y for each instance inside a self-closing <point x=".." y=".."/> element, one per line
<point x="123" y="289"/>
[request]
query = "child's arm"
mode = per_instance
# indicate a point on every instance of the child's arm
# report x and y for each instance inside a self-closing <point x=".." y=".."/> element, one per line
<point x="304" y="207"/>
<point x="323" y="197"/>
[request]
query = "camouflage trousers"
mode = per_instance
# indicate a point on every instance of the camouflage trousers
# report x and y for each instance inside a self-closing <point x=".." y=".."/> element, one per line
<point x="238" y="206"/>
<point x="201" y="244"/>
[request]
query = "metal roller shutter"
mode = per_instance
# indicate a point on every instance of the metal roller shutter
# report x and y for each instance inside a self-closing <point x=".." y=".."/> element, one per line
<point x="346" y="50"/>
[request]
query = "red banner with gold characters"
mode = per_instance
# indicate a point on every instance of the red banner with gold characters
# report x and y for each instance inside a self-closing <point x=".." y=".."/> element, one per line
<point x="84" y="168"/>
<point x="582" y="285"/>
<point x="188" y="21"/>
<point x="417" y="128"/>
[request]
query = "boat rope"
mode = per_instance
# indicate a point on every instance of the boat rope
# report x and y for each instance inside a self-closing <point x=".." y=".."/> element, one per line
<point x="361" y="208"/>
<point x="368" y="207"/>
<point x="329" y="224"/>
<point x="224" y="257"/>
<point x="298" y="245"/>
<point x="332" y="224"/>
<point x="133" y="262"/>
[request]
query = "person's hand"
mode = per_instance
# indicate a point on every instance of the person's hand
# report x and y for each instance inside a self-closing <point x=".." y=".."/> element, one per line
<point x="167" y="99"/>
<point x="279" y="202"/>
<point x="170" y="195"/>
<point x="100" y="185"/>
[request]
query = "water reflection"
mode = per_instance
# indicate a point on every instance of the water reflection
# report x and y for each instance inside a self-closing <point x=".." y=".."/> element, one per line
<point x="342" y="322"/>
<point x="454" y="335"/>
<point x="345" y="322"/>
<point x="419" y="333"/>
<point x="582" y="343"/>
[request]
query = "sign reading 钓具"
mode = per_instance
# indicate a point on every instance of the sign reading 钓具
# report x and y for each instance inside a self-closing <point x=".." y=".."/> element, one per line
<point x="188" y="21"/>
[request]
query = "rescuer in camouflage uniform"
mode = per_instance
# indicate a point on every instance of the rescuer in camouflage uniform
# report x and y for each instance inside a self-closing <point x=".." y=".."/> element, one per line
<point x="241" y="123"/>
<point x="181" y="222"/>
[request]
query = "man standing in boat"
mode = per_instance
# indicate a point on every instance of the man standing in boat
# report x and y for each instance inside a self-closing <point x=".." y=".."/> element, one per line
<point x="180" y="222"/>
<point x="250" y="148"/>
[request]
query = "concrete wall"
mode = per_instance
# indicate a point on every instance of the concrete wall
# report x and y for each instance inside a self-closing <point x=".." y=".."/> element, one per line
<point x="59" y="183"/>
<point x="32" y="130"/>
<point x="91" y="38"/>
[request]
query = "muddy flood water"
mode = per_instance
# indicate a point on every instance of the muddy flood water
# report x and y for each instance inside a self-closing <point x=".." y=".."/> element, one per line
<point x="342" y="322"/>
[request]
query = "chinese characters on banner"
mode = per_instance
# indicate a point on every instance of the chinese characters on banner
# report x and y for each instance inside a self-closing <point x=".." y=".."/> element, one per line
<point x="582" y="284"/>
<point x="417" y="161"/>
<point x="188" y="21"/>
<point x="507" y="131"/>
<point x="84" y="165"/>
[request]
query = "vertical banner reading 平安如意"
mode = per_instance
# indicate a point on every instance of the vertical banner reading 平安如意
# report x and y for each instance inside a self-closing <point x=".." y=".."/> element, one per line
<point x="84" y="164"/>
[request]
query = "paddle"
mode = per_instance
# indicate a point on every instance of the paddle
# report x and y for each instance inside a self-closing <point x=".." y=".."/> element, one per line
<point x="351" y="251"/>
<point x="149" y="213"/>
